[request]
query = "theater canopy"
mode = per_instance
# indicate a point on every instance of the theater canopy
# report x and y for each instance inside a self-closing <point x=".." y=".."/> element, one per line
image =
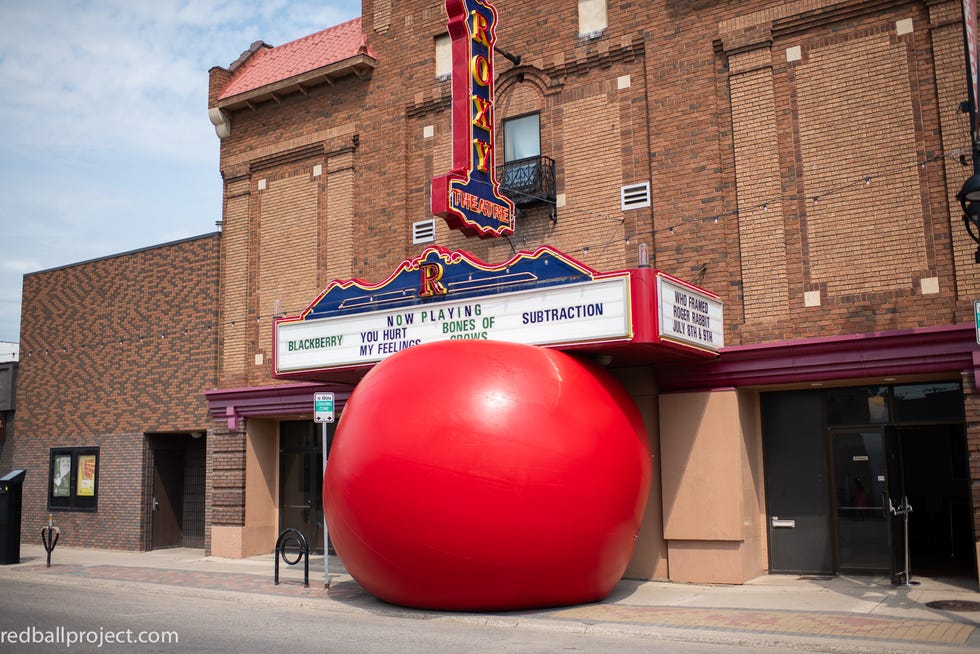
<point x="543" y="298"/>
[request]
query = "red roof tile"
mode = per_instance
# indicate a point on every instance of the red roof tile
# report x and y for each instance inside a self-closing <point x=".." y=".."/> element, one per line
<point x="271" y="65"/>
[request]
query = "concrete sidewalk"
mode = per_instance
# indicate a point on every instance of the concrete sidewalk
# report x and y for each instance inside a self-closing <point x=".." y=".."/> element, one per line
<point x="836" y="614"/>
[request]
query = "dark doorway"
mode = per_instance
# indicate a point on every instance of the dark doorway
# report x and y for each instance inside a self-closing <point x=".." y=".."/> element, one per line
<point x="929" y="470"/>
<point x="177" y="490"/>
<point x="301" y="479"/>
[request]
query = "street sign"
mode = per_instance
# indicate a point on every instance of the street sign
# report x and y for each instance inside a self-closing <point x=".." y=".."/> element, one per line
<point x="976" y="315"/>
<point x="323" y="407"/>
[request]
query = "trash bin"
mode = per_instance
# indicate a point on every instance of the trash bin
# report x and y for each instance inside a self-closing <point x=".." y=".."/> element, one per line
<point x="11" y="493"/>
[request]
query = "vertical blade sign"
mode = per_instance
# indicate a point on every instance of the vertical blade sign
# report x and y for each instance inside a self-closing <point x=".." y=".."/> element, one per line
<point x="468" y="197"/>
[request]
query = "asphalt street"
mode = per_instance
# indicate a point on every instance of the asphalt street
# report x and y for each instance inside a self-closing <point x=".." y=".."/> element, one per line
<point x="184" y="600"/>
<point x="105" y="619"/>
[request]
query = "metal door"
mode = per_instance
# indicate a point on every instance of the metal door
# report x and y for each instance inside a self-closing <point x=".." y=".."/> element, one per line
<point x="797" y="499"/>
<point x="167" y="502"/>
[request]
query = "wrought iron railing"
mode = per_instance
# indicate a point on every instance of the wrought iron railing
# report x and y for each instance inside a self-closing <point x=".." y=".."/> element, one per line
<point x="529" y="181"/>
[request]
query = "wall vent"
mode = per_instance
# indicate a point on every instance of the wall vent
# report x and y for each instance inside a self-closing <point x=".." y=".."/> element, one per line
<point x="634" y="196"/>
<point x="424" y="231"/>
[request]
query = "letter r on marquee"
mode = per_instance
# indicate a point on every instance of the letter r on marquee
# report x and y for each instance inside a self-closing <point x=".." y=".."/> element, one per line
<point x="429" y="285"/>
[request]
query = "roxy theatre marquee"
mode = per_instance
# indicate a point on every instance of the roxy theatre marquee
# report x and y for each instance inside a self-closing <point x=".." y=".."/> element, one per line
<point x="542" y="298"/>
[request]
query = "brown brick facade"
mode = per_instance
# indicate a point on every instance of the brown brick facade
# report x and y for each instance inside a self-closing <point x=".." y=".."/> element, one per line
<point x="758" y="159"/>
<point x="803" y="159"/>
<point x="113" y="350"/>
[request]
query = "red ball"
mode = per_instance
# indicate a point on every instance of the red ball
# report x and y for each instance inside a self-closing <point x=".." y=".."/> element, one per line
<point x="482" y="475"/>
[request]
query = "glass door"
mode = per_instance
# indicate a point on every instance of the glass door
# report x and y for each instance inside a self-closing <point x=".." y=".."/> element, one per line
<point x="860" y="500"/>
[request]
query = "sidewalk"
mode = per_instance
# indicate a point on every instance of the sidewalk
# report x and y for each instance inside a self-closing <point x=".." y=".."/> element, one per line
<point x="837" y="614"/>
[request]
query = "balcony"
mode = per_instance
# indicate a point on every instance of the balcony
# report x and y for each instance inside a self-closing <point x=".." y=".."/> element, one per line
<point x="530" y="181"/>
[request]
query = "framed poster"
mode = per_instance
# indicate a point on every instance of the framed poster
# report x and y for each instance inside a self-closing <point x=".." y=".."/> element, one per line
<point x="73" y="479"/>
<point x="86" y="475"/>
<point x="61" y="476"/>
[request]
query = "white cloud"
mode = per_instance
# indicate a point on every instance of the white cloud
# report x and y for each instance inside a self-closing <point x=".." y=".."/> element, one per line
<point x="90" y="78"/>
<point x="17" y="266"/>
<point x="105" y="143"/>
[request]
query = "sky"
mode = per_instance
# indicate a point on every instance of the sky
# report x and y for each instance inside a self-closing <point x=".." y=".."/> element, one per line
<point x="105" y="142"/>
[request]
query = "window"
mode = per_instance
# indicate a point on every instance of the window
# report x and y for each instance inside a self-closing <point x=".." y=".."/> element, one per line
<point x="444" y="56"/>
<point x="522" y="138"/>
<point x="858" y="406"/>
<point x="931" y="402"/>
<point x="522" y="154"/>
<point x="73" y="474"/>
<point x="591" y="17"/>
<point x="926" y="402"/>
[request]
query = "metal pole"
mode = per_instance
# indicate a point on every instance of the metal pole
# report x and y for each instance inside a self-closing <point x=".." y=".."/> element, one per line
<point x="905" y="519"/>
<point x="326" y="535"/>
<point x="908" y="564"/>
<point x="904" y="510"/>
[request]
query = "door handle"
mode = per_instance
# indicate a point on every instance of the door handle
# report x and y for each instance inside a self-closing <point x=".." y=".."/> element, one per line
<point x="156" y="505"/>
<point x="784" y="523"/>
<point x="902" y="509"/>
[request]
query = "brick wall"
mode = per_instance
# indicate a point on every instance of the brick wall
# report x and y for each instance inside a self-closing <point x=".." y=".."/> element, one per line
<point x="225" y="501"/>
<point x="857" y="142"/>
<point x="111" y="350"/>
<point x="953" y="244"/>
<point x="803" y="155"/>
<point x="803" y="158"/>
<point x="757" y="160"/>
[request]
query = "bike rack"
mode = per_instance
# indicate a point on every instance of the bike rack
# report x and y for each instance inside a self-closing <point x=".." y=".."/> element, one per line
<point x="288" y="536"/>
<point x="49" y="537"/>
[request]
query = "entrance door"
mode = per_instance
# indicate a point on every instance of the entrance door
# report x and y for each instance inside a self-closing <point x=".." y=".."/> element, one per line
<point x="860" y="500"/>
<point x="168" y="497"/>
<point x="884" y="443"/>
<point x="797" y="499"/>
<point x="928" y="465"/>
<point x="301" y="480"/>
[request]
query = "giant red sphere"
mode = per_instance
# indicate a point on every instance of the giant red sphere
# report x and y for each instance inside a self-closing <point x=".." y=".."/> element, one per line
<point x="482" y="475"/>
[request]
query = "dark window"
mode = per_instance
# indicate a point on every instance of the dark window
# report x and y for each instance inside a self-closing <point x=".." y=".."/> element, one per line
<point x="930" y="402"/>
<point x="73" y="479"/>
<point x="867" y="405"/>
